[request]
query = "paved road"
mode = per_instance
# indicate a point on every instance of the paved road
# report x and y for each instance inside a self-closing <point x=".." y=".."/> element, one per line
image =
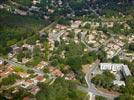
<point x="23" y="66"/>
<point x="11" y="86"/>
<point x="45" y="28"/>
<point x="95" y="12"/>
<point x="89" y="48"/>
<point x="91" y="86"/>
<point x="56" y="36"/>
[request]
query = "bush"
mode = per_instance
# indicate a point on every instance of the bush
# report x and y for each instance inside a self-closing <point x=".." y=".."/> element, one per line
<point x="100" y="98"/>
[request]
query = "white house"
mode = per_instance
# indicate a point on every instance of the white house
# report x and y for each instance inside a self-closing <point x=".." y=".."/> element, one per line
<point x="1" y="62"/>
<point x="119" y="83"/>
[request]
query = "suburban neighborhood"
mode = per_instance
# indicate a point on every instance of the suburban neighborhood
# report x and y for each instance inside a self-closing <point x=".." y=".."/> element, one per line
<point x="66" y="50"/>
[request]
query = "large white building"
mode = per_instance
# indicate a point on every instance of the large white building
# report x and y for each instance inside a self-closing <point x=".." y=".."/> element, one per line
<point x="115" y="68"/>
<point x="126" y="71"/>
<point x="111" y="67"/>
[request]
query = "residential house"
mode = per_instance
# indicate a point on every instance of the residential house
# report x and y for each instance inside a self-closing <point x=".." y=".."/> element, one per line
<point x="20" y="12"/>
<point x="29" y="47"/>
<point x="27" y="83"/>
<point x="119" y="83"/>
<point x="26" y="98"/>
<point x="23" y="75"/>
<point x="70" y="76"/>
<point x="36" y="2"/>
<point x="40" y="78"/>
<point x="1" y="62"/>
<point x="61" y="27"/>
<point x="10" y="67"/>
<point x="76" y="24"/>
<point x="56" y="72"/>
<point x="33" y="89"/>
<point x="41" y="65"/>
<point x="16" y="49"/>
<point x="25" y="60"/>
<point x="34" y="8"/>
<point x="50" y="10"/>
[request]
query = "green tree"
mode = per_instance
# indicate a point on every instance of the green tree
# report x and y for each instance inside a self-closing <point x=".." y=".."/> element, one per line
<point x="11" y="79"/>
<point x="131" y="47"/>
<point x="125" y="97"/>
<point x="87" y="25"/>
<point x="100" y="98"/>
<point x="75" y="63"/>
<point x="101" y="55"/>
<point x="67" y="90"/>
<point x="20" y="56"/>
<point x="100" y="80"/>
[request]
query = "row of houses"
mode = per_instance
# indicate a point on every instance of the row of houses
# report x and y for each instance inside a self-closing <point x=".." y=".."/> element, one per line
<point x="113" y="47"/>
<point x="4" y="72"/>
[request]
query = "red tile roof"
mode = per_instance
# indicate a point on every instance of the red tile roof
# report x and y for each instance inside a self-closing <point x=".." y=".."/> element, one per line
<point x="29" y="81"/>
<point x="26" y="98"/>
<point x="56" y="72"/>
<point x="39" y="78"/>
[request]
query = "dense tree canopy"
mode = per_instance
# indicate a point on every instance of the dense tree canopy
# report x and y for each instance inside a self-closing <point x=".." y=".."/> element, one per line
<point x="14" y="28"/>
<point x="11" y="79"/>
<point x="100" y="98"/>
<point x="66" y="91"/>
<point x="100" y="80"/>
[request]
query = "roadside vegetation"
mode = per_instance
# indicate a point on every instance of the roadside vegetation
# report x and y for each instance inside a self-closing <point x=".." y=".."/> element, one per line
<point x="60" y="90"/>
<point x="105" y="80"/>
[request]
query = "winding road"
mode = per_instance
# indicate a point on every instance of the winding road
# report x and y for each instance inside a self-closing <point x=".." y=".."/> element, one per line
<point x="92" y="89"/>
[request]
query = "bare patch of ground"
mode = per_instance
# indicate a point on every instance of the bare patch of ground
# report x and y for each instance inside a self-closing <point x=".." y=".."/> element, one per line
<point x="109" y="92"/>
<point x="85" y="68"/>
